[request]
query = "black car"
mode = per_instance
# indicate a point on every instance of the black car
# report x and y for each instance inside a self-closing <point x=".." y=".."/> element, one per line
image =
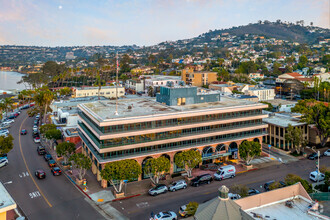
<point x="313" y="156"/>
<point x="266" y="186"/>
<point x="199" y="180"/>
<point x="252" y="192"/>
<point x="23" y="132"/>
<point x="40" y="174"/>
<point x="41" y="150"/>
<point x="35" y="134"/>
<point x="48" y="157"/>
<point x="56" y="171"/>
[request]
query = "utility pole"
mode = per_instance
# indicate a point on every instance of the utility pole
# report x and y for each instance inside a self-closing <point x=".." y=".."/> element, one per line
<point x="117" y="66"/>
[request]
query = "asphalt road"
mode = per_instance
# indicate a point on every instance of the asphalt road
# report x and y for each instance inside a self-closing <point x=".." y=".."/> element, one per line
<point x="52" y="198"/>
<point x="140" y="207"/>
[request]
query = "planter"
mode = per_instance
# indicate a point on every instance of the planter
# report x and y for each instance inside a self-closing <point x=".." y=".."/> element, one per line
<point x="247" y="167"/>
<point x="188" y="179"/>
<point x="79" y="182"/>
<point x="119" y="195"/>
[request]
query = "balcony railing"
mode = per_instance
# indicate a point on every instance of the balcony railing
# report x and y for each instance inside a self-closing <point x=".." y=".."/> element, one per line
<point x="130" y="140"/>
<point x="145" y="151"/>
<point x="98" y="131"/>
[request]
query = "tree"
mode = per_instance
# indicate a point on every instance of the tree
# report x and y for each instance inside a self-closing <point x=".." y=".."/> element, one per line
<point x="315" y="113"/>
<point x="53" y="134"/>
<point x="65" y="91"/>
<point x="291" y="179"/>
<point x="295" y="135"/>
<point x="270" y="106"/>
<point x="43" y="98"/>
<point x="65" y="149"/>
<point x="275" y="185"/>
<point x="6" y="144"/>
<point x="242" y="190"/>
<point x="150" y="91"/>
<point x="82" y="163"/>
<point x="302" y="62"/>
<point x="7" y="104"/>
<point x="124" y="63"/>
<point x="191" y="208"/>
<point x="188" y="160"/>
<point x="248" y="150"/>
<point x="46" y="127"/>
<point x="155" y="168"/>
<point x="118" y="171"/>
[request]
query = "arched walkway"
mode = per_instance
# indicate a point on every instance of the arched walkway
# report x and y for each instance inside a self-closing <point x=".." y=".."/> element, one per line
<point x="144" y="176"/>
<point x="208" y="151"/>
<point x="220" y="147"/>
<point x="256" y="140"/>
<point x="233" y="149"/>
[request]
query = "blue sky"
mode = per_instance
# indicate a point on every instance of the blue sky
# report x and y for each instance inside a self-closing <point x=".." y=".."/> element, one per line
<point x="140" y="22"/>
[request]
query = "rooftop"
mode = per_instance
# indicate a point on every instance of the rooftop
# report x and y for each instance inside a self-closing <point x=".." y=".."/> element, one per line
<point x="7" y="202"/>
<point x="276" y="102"/>
<point x="95" y="87"/>
<point x="283" y="121"/>
<point x="105" y="110"/>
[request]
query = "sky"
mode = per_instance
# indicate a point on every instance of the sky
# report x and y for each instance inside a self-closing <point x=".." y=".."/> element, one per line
<point x="141" y="22"/>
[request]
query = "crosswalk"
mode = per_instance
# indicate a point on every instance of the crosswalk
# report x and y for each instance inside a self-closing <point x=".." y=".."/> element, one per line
<point x="263" y="160"/>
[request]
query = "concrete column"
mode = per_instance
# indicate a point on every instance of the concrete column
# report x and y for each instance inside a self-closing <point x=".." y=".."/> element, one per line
<point x="104" y="184"/>
<point x="94" y="168"/>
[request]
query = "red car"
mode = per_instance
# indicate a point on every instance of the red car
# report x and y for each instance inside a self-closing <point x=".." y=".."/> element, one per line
<point x="51" y="163"/>
<point x="40" y="174"/>
<point x="16" y="114"/>
<point x="56" y="171"/>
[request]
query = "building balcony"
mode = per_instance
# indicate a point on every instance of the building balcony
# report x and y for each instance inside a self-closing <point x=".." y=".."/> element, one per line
<point x="176" y="136"/>
<point x="147" y="151"/>
<point x="169" y="127"/>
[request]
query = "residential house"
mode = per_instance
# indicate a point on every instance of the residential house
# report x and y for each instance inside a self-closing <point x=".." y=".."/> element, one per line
<point x="195" y="78"/>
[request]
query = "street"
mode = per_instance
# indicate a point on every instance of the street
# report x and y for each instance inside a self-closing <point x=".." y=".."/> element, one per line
<point x="141" y="207"/>
<point x="52" y="198"/>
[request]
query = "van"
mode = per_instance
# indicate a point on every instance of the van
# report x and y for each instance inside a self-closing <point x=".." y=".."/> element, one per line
<point x="225" y="172"/>
<point x="316" y="176"/>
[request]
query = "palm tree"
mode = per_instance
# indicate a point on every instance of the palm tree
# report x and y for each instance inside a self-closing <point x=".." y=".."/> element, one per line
<point x="8" y="104"/>
<point x="43" y="98"/>
<point x="2" y="108"/>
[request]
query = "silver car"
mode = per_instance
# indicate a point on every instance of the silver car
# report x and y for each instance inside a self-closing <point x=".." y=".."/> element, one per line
<point x="159" y="189"/>
<point x="180" y="184"/>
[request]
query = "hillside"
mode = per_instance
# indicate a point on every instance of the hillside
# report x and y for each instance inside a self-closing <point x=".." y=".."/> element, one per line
<point x="291" y="32"/>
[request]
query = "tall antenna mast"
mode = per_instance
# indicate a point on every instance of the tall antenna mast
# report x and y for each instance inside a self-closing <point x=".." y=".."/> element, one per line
<point x="117" y="66"/>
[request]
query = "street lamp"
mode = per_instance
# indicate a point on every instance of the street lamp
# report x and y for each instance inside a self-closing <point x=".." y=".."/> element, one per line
<point x="318" y="162"/>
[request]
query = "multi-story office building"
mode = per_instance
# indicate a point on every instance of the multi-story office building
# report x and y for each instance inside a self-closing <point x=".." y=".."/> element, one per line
<point x="182" y="118"/>
<point x="106" y="91"/>
<point x="197" y="78"/>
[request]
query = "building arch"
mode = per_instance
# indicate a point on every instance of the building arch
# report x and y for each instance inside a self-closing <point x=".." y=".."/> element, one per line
<point x="144" y="175"/>
<point x="166" y="156"/>
<point x="220" y="147"/>
<point x="256" y="140"/>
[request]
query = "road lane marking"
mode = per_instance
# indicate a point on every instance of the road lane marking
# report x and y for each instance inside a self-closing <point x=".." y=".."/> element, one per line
<point x="142" y="204"/>
<point x="24" y="174"/>
<point x="34" y="194"/>
<point x="27" y="168"/>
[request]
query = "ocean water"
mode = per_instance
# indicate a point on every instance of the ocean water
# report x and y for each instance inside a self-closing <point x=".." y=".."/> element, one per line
<point x="8" y="81"/>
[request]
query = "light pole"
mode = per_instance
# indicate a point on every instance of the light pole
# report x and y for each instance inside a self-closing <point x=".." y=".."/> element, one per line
<point x="318" y="162"/>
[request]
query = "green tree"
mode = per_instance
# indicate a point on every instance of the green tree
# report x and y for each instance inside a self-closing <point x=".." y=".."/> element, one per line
<point x="302" y="62"/>
<point x="150" y="91"/>
<point x="53" y="134"/>
<point x="82" y="163"/>
<point x="6" y="144"/>
<point x="276" y="69"/>
<point x="7" y="104"/>
<point x="248" y="150"/>
<point x="295" y="136"/>
<point x="270" y="106"/>
<point x="191" y="208"/>
<point x="315" y="113"/>
<point x="65" y="91"/>
<point x="44" y="128"/>
<point x="291" y="179"/>
<point x="124" y="63"/>
<point x="43" y="98"/>
<point x="275" y="185"/>
<point x="156" y="167"/>
<point x="247" y="67"/>
<point x="242" y="190"/>
<point x="188" y="160"/>
<point x="65" y="150"/>
<point x="118" y="171"/>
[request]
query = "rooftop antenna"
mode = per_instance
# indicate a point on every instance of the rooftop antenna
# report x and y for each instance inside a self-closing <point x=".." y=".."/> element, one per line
<point x="117" y="66"/>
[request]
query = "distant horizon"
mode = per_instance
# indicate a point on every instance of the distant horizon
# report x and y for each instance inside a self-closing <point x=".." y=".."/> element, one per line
<point x="72" y="23"/>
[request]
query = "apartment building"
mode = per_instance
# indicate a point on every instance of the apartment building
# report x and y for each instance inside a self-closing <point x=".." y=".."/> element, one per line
<point x="182" y="118"/>
<point x="198" y="78"/>
<point x="263" y="94"/>
<point x="106" y="91"/>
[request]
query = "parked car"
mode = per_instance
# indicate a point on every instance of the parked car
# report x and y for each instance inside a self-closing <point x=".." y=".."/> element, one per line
<point x="35" y="122"/>
<point x="48" y="157"/>
<point x="56" y="171"/>
<point x="38" y="116"/>
<point x="11" y="117"/>
<point x="23" y="132"/>
<point x="16" y="114"/>
<point x="199" y="180"/>
<point x="10" y="121"/>
<point x="316" y="176"/>
<point x="252" y="192"/>
<point x="313" y="156"/>
<point x="40" y="174"/>
<point x="233" y="196"/>
<point x="51" y="163"/>
<point x="327" y="153"/>
<point x="41" y="150"/>
<point x="266" y="186"/>
<point x="3" y="162"/>
<point x="166" y="216"/>
<point x="159" y="189"/>
<point x="2" y="156"/>
<point x="180" y="184"/>
<point x="183" y="211"/>
<point x="35" y="134"/>
<point x="225" y="172"/>
<point x="4" y="131"/>
<point x="36" y="140"/>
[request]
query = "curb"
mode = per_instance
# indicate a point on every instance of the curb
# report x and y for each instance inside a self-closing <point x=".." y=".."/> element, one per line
<point x="127" y="197"/>
<point x="247" y="170"/>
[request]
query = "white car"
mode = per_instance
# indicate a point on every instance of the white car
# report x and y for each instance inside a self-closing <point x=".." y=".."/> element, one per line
<point x="166" y="216"/>
<point x="180" y="184"/>
<point x="3" y="162"/>
<point x="233" y="196"/>
<point x="35" y="128"/>
<point x="316" y="177"/>
<point x="327" y="153"/>
<point x="4" y="132"/>
<point x="9" y="121"/>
